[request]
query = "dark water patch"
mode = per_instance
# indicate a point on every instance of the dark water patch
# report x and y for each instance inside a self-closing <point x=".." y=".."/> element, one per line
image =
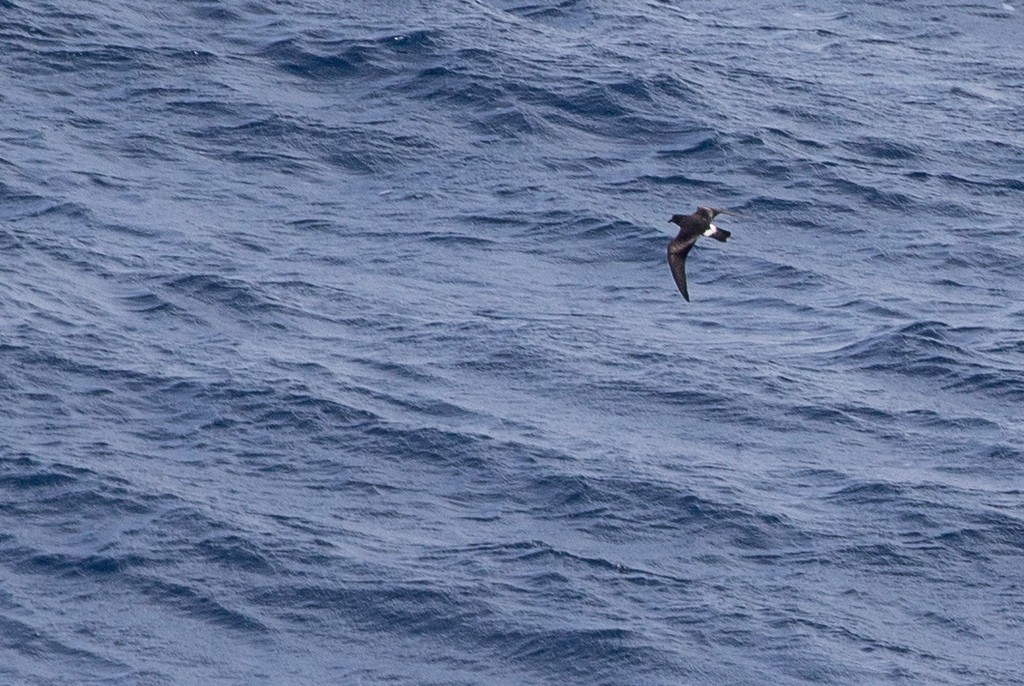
<point x="16" y="204"/>
<point x="975" y="185"/>
<point x="858" y="416"/>
<point x="199" y="605"/>
<point x="512" y="122"/>
<point x="295" y="143"/>
<point x="56" y="489"/>
<point x="787" y="206"/>
<point x="553" y="572"/>
<point x="883" y="149"/>
<point x="612" y="231"/>
<point x="530" y="108"/>
<point x="40" y="644"/>
<point x="332" y="62"/>
<point x="769" y="303"/>
<point x="396" y="370"/>
<point x="467" y="623"/>
<point x="584" y="238"/>
<point x="790" y="83"/>
<point x="93" y="60"/>
<point x="698" y="143"/>
<point x="432" y="447"/>
<point x="648" y="181"/>
<point x="886" y="557"/>
<point x="999" y="384"/>
<point x="643" y="506"/>
<point x="585" y="105"/>
<point x="88" y="567"/>
<point x="214" y="11"/>
<point x="232" y="293"/>
<point x="881" y="311"/>
<point x="36" y="478"/>
<point x="773" y="132"/>
<point x="981" y="539"/>
<point x="104" y="181"/>
<point x="561" y="567"/>
<point x="300" y="411"/>
<point x="199" y="108"/>
<point x="389" y="606"/>
<point x="591" y="654"/>
<point x="871" y="195"/>
<point x="1004" y="532"/>
<point x="1004" y="453"/>
<point x="328" y="226"/>
<point x="788" y="277"/>
<point x="868" y="493"/>
<point x="413" y="45"/>
<point x="566" y="14"/>
<point x="320" y="59"/>
<point x="426" y="406"/>
<point x="459" y="240"/>
<point x="705" y="399"/>
<point x="72" y="217"/>
<point x="89" y="499"/>
<point x="148" y="147"/>
<point x="220" y="413"/>
<point x="922" y="348"/>
<point x="577" y="166"/>
<point x="458" y="87"/>
<point x="930" y="525"/>
<point x="151" y="304"/>
<point x="967" y="93"/>
<point x="235" y="552"/>
<point x="944" y="420"/>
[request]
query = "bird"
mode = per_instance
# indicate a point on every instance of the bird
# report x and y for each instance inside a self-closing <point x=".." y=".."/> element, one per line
<point x="691" y="227"/>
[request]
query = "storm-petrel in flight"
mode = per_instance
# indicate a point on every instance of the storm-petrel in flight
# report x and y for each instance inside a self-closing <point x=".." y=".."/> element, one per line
<point x="691" y="227"/>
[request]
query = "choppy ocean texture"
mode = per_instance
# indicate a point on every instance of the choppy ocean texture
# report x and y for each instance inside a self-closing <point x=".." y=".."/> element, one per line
<point x="338" y="344"/>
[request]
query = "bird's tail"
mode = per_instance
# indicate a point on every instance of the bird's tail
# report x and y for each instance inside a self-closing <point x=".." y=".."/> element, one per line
<point x="718" y="234"/>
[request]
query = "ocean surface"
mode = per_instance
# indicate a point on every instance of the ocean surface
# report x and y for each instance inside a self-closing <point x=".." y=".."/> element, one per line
<point x="338" y="344"/>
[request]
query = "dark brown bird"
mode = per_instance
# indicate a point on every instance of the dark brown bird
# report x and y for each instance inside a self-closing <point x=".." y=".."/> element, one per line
<point x="691" y="227"/>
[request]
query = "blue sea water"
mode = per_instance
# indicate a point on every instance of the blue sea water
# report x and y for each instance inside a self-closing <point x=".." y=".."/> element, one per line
<point x="338" y="344"/>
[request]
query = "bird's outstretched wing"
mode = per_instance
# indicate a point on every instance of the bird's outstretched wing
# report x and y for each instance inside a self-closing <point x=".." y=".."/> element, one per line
<point x="677" y="263"/>
<point x="715" y="211"/>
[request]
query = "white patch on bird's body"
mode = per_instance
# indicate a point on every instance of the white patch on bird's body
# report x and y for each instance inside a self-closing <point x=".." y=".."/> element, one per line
<point x="711" y="230"/>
